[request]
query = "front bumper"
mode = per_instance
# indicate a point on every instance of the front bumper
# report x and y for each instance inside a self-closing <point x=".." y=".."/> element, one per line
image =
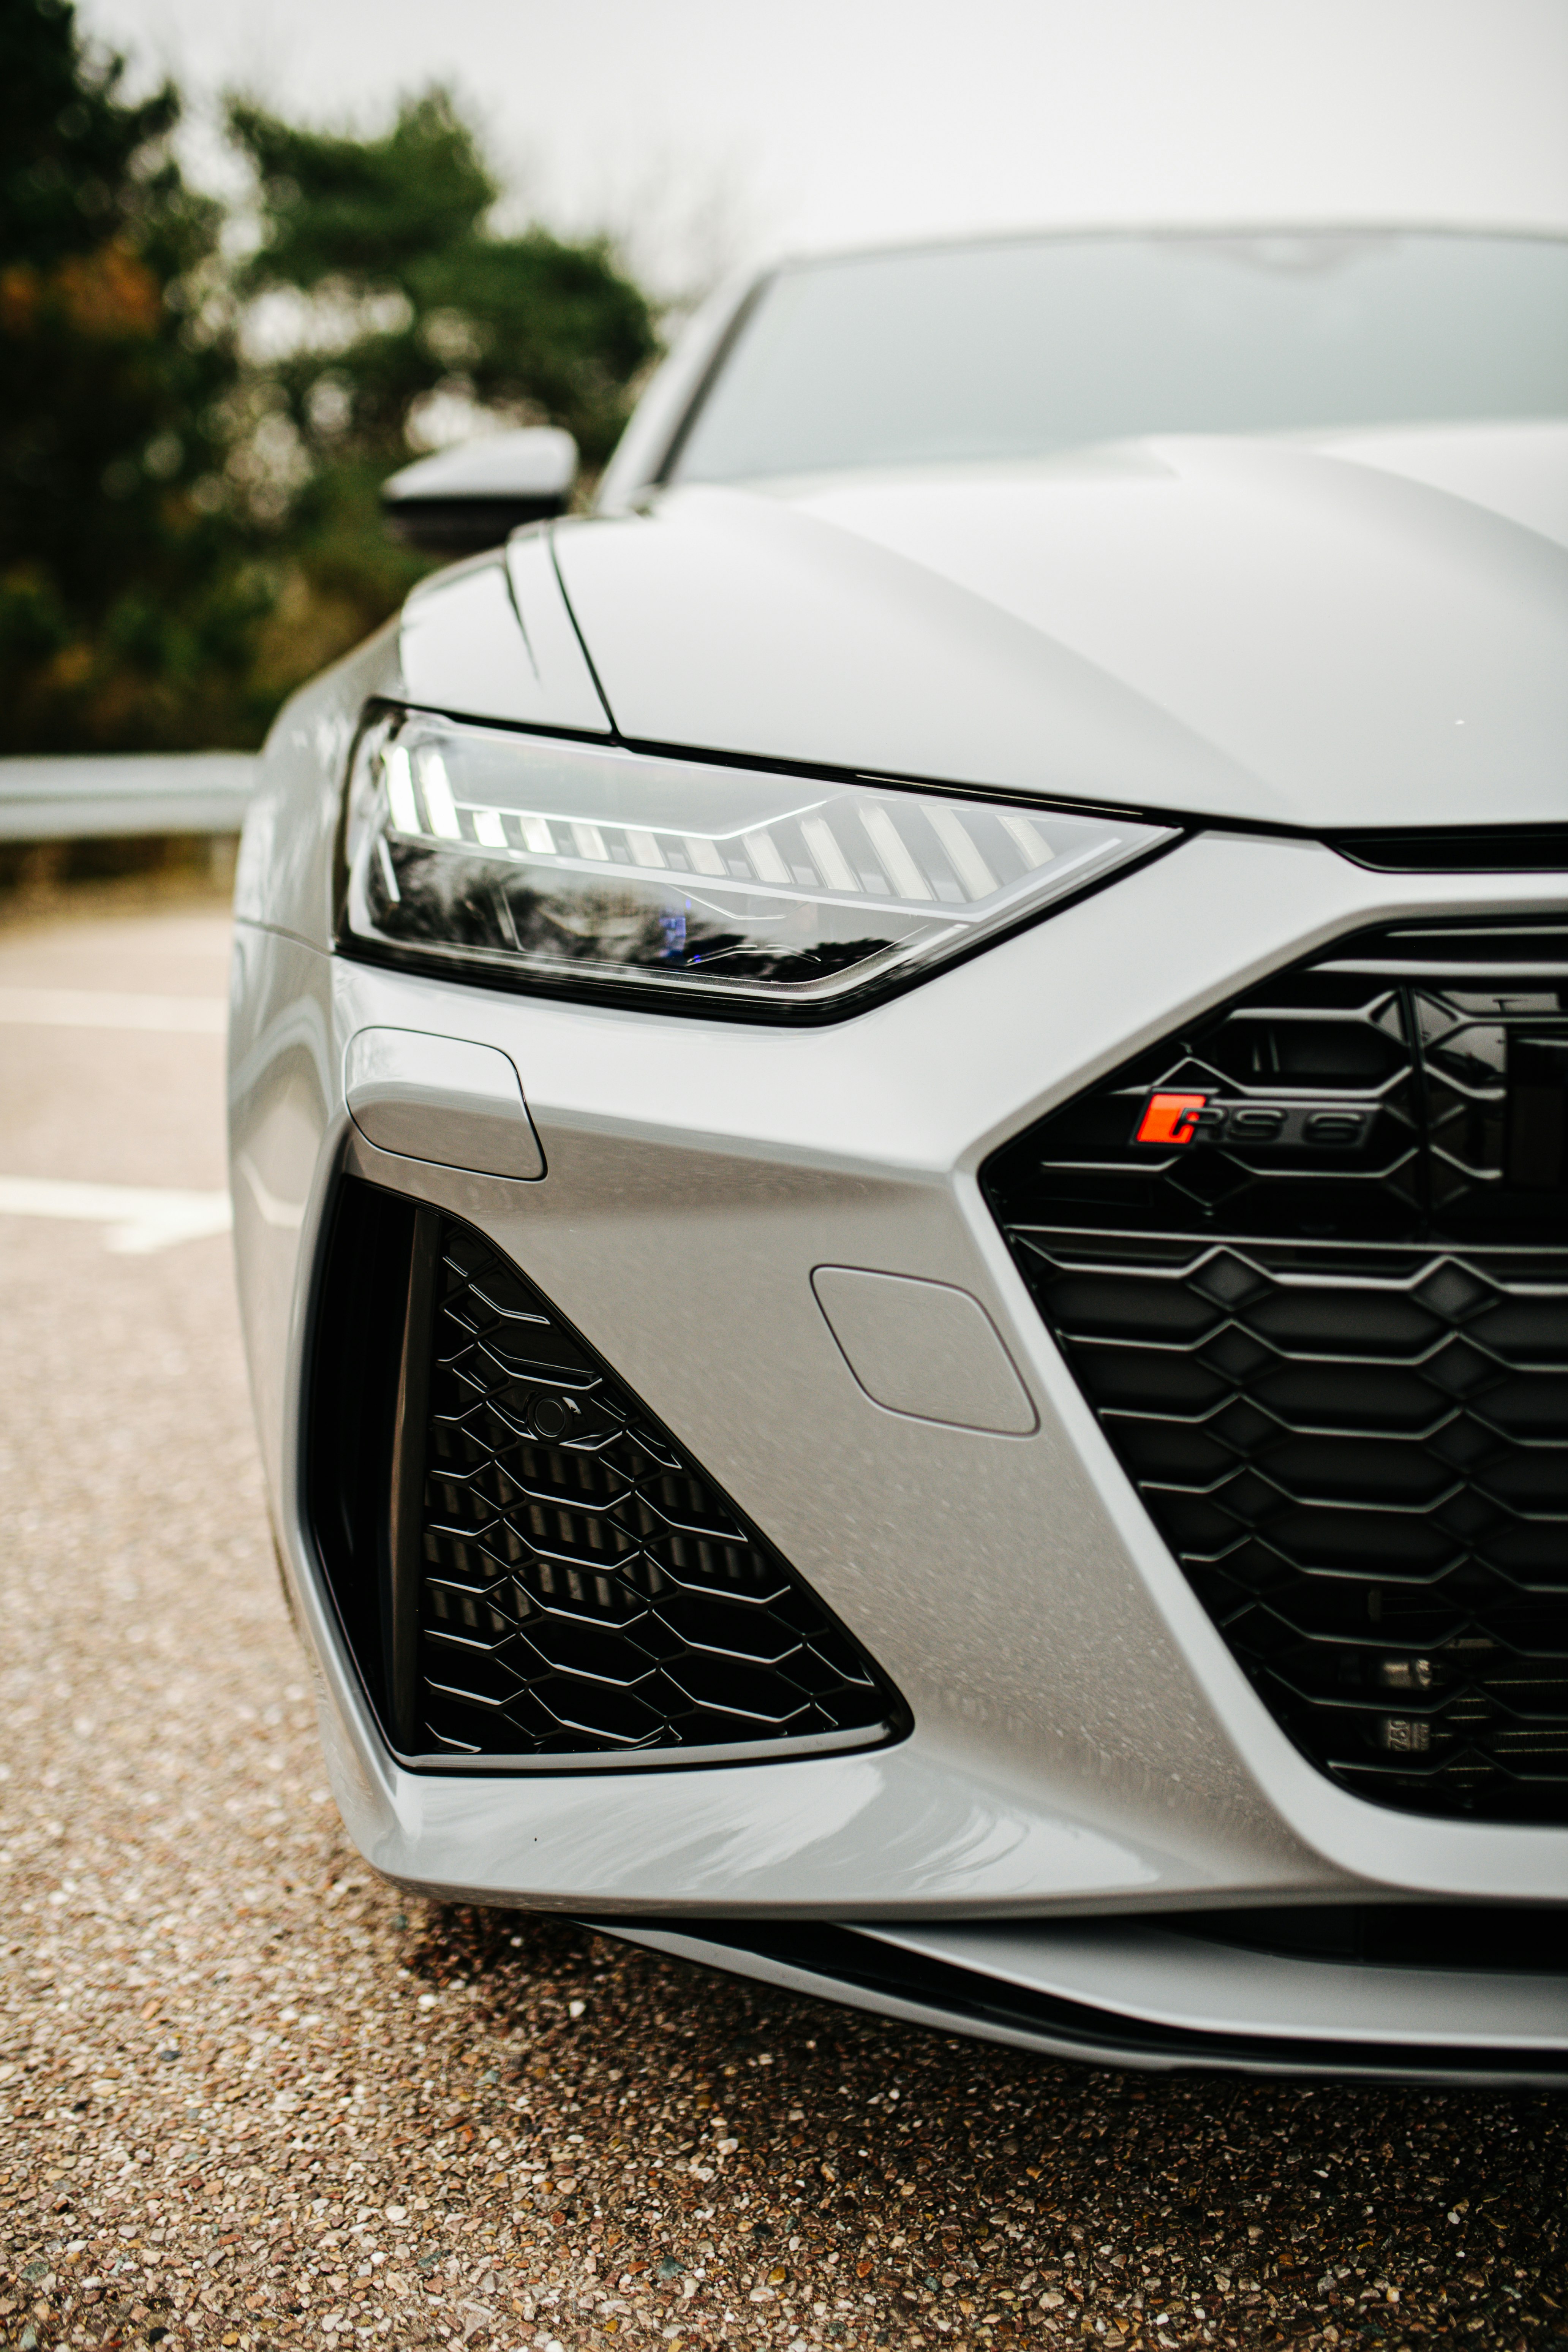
<point x="1083" y="1742"/>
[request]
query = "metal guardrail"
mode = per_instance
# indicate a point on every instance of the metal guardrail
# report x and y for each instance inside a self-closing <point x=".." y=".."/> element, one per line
<point x="106" y="795"/>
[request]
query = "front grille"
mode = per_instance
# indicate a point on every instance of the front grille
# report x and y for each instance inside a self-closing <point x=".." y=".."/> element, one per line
<point x="559" y="1578"/>
<point x="1324" y="1326"/>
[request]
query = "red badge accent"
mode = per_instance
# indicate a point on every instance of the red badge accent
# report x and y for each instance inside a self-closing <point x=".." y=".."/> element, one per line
<point x="1171" y="1118"/>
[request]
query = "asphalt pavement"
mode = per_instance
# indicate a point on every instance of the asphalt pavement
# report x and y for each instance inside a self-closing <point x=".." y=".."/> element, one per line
<point x="252" y="2095"/>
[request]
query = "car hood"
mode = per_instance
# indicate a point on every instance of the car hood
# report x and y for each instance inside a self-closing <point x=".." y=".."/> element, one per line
<point x="1366" y="629"/>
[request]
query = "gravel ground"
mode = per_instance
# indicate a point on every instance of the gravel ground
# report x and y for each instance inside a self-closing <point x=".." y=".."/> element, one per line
<point x="255" y="2096"/>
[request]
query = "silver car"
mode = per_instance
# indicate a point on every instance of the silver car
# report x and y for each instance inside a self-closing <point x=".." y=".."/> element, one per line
<point x="898" y="1140"/>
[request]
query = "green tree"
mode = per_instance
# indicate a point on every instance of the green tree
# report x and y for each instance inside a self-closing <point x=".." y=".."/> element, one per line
<point x="402" y="296"/>
<point x="127" y="604"/>
<point x="189" y="518"/>
<point x="391" y="233"/>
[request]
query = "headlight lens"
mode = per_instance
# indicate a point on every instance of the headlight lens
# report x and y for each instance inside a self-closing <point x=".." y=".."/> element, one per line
<point x="530" y="857"/>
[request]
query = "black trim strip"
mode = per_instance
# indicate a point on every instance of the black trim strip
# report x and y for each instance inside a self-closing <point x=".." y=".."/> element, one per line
<point x="842" y="1958"/>
<point x="405" y="1513"/>
<point x="1460" y="849"/>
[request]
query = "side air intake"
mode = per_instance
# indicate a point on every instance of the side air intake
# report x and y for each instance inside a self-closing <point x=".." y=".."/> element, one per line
<point x="529" y="1568"/>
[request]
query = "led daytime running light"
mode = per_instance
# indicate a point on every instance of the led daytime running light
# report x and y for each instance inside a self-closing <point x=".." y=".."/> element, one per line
<point x="551" y="859"/>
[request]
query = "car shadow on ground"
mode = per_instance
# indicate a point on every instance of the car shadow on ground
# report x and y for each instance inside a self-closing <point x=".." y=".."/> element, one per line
<point x="709" y="2141"/>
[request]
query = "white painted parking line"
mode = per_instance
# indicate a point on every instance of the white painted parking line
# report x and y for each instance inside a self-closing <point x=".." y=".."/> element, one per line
<point x="140" y="1217"/>
<point x="94" y="1008"/>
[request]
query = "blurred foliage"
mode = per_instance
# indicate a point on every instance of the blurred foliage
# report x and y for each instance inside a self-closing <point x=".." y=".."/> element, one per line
<point x="195" y="423"/>
<point x="126" y="603"/>
<point x="388" y="233"/>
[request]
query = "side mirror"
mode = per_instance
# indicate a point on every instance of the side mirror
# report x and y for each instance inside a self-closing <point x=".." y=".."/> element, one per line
<point x="470" y="498"/>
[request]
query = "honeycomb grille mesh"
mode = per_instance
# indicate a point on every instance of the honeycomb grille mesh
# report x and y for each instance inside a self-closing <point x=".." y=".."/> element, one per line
<point x="1338" y="1373"/>
<point x="584" y="1588"/>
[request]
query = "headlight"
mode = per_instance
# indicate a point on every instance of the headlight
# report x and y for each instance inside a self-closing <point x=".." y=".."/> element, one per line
<point x="528" y="858"/>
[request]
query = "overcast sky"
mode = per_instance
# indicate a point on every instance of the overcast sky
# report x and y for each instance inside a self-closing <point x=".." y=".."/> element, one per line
<point x="723" y="130"/>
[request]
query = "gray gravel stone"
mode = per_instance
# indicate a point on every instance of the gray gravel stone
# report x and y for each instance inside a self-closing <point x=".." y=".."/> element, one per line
<point x="254" y="2096"/>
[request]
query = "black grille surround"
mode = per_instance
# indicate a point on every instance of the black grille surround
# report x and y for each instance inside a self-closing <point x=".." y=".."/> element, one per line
<point x="1324" y="1327"/>
<point x="527" y="1567"/>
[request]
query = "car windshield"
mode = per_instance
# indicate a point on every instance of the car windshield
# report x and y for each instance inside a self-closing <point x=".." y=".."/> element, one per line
<point x="1018" y="348"/>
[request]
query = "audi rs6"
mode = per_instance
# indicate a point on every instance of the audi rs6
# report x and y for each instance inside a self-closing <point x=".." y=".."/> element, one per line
<point x="897" y="1100"/>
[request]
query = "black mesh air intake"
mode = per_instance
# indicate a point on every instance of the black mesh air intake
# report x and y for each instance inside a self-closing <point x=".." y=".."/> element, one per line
<point x="526" y="1563"/>
<point x="1321" y="1312"/>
